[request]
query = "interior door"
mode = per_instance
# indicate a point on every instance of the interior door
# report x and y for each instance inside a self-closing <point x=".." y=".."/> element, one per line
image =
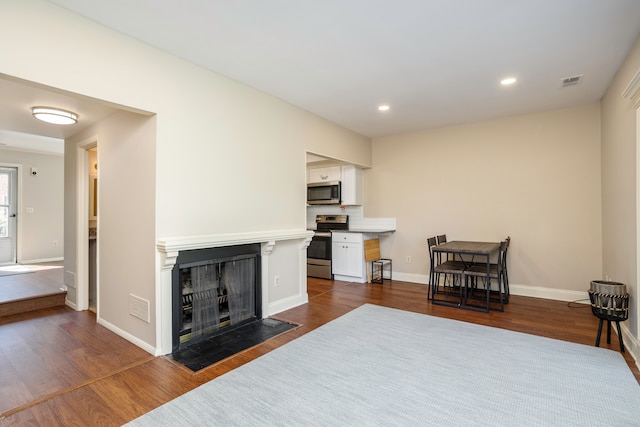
<point x="8" y="192"/>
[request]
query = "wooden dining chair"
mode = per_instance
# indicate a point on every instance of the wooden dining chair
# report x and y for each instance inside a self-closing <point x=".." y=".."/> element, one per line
<point x="431" y="242"/>
<point x="476" y="279"/>
<point x="451" y="281"/>
<point x="440" y="239"/>
<point x="442" y="271"/>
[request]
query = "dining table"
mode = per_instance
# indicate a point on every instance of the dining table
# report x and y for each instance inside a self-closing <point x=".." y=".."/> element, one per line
<point x="469" y="253"/>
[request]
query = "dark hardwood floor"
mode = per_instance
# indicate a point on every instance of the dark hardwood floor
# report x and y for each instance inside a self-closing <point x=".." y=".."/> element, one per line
<point x="59" y="368"/>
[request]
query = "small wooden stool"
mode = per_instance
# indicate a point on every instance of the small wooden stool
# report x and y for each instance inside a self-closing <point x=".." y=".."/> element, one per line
<point x="372" y="255"/>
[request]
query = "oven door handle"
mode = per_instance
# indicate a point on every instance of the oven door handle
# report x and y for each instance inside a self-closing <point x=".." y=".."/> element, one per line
<point x="322" y="234"/>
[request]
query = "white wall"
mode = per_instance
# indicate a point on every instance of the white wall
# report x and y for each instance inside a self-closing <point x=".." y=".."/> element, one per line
<point x="619" y="186"/>
<point x="126" y="217"/>
<point x="228" y="159"/>
<point x="533" y="177"/>
<point x="288" y="276"/>
<point x="45" y="194"/>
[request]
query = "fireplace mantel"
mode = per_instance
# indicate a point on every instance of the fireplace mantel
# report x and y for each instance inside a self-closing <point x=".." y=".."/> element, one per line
<point x="169" y="247"/>
<point x="167" y="250"/>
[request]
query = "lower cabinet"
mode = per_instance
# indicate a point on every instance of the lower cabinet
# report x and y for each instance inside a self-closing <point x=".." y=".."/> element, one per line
<point x="347" y="257"/>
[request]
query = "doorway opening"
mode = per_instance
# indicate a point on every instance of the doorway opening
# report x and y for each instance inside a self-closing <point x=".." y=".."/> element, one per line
<point x="8" y="214"/>
<point x="87" y="255"/>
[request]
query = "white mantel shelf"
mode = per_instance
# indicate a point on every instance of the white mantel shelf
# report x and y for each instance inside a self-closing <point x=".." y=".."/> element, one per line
<point x="170" y="247"/>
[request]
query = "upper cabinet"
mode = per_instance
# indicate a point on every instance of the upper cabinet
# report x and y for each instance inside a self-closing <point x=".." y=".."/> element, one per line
<point x="331" y="173"/>
<point x="350" y="176"/>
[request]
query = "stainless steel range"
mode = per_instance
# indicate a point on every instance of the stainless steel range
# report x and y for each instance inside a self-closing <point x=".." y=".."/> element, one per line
<point x="319" y="250"/>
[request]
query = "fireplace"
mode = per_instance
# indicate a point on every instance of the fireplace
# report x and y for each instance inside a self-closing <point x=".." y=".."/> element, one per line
<point x="214" y="290"/>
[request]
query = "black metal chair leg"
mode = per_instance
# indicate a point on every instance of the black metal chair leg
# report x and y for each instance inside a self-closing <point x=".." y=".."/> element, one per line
<point x="599" y="333"/>
<point x="620" y="337"/>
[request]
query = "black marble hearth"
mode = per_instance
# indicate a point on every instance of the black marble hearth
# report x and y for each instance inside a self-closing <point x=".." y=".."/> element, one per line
<point x="219" y="347"/>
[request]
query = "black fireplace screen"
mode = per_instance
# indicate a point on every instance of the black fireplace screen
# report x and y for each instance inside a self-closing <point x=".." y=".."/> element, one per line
<point x="214" y="294"/>
<point x="204" y="298"/>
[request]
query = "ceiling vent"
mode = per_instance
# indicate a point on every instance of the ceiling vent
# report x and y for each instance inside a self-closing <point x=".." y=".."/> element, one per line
<point x="571" y="81"/>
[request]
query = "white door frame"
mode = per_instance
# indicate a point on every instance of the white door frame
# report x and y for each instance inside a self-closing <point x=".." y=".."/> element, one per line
<point x="632" y="92"/>
<point x="17" y="247"/>
<point x="82" y="225"/>
<point x="636" y="351"/>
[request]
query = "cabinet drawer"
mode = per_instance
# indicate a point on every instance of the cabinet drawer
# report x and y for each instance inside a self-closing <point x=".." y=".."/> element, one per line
<point x="338" y="237"/>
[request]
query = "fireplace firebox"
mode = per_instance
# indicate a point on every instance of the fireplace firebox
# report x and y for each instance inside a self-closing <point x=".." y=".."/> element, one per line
<point x="214" y="291"/>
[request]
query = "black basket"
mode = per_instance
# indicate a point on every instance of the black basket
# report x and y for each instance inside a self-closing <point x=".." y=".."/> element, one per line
<point x="609" y="307"/>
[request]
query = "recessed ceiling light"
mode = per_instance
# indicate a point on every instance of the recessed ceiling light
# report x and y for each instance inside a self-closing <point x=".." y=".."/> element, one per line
<point x="508" y="81"/>
<point x="54" y="115"/>
<point x="383" y="108"/>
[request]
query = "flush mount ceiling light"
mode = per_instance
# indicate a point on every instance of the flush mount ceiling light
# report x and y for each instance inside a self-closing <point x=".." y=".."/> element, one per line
<point x="54" y="115"/>
<point x="383" y="108"/>
<point x="508" y="81"/>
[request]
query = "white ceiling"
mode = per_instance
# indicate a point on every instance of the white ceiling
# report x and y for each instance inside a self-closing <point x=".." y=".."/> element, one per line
<point x="435" y="62"/>
<point x="21" y="131"/>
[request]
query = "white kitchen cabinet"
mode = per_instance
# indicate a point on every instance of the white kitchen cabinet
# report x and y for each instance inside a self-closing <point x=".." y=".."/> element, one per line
<point x="331" y="173"/>
<point x="347" y="257"/>
<point x="351" y="178"/>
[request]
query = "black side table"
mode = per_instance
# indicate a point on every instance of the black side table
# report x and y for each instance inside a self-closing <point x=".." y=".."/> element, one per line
<point x="610" y="302"/>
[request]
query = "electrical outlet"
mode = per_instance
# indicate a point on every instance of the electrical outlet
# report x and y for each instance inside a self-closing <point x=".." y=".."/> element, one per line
<point x="276" y="281"/>
<point x="55" y="243"/>
<point x="408" y="259"/>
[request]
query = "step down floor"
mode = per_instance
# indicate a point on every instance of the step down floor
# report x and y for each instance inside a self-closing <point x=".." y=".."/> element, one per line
<point x="40" y="288"/>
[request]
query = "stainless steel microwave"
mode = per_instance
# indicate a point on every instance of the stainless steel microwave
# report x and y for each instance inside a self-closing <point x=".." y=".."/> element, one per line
<point x="324" y="193"/>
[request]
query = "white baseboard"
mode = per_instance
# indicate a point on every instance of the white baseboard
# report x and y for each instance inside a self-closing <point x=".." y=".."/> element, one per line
<point x="522" y="290"/>
<point x="631" y="344"/>
<point x="41" y="260"/>
<point x="422" y="279"/>
<point x="549" y="293"/>
<point x="127" y="336"/>
<point x="286" y="304"/>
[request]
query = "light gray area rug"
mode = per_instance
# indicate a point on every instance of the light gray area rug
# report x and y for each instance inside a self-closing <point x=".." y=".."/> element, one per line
<point x="379" y="366"/>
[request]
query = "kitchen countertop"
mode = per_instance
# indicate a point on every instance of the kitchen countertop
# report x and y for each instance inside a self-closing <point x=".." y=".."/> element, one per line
<point x="367" y="225"/>
<point x="366" y="230"/>
<point x="360" y="230"/>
